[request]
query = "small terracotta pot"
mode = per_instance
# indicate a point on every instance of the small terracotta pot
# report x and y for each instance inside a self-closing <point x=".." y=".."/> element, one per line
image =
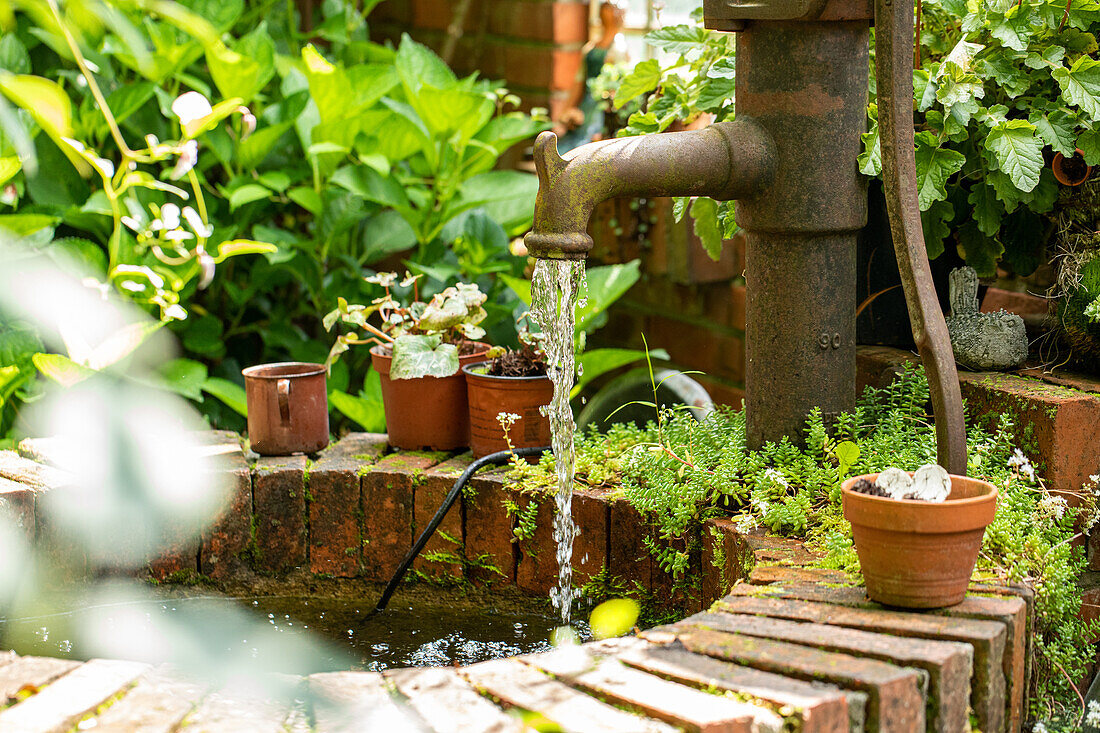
<point x="428" y="412"/>
<point x="490" y="395"/>
<point x="1071" y="171"/>
<point x="287" y="408"/>
<point x="919" y="554"/>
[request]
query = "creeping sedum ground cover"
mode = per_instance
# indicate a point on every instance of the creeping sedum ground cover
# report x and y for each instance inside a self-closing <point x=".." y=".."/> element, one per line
<point x="681" y="471"/>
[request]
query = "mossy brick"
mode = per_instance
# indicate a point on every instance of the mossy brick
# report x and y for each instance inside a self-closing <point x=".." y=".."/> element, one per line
<point x="225" y="541"/>
<point x="628" y="557"/>
<point x="769" y="574"/>
<point x="767" y="549"/>
<point x="947" y="663"/>
<point x="445" y="701"/>
<point x="817" y="707"/>
<point x="850" y="608"/>
<point x="488" y="528"/>
<point x="721" y="559"/>
<point x="386" y="505"/>
<point x="39" y="476"/>
<point x="429" y="493"/>
<point x="537" y="568"/>
<point x="683" y="593"/>
<point x="365" y="448"/>
<point x="592" y="513"/>
<point x="333" y="503"/>
<point x="895" y="701"/>
<point x="279" y="508"/>
<point x="607" y="678"/>
<point x="17" y="507"/>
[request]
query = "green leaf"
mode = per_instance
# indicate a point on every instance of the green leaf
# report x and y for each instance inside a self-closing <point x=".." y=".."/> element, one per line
<point x="704" y="211"/>
<point x="1081" y="85"/>
<point x="22" y="225"/>
<point x="597" y="362"/>
<point x="245" y="70"/>
<point x="416" y="65"/>
<point x="870" y="160"/>
<point x="362" y="180"/>
<point x="253" y="149"/>
<point x="606" y="284"/>
<point x="988" y="209"/>
<point x="246" y="194"/>
<point x="934" y="166"/>
<point x="1022" y="236"/>
<point x="847" y="453"/>
<point x="184" y="377"/>
<point x="936" y="223"/>
<point x="61" y="369"/>
<point x="508" y="197"/>
<point x="13" y="55"/>
<point x="384" y="234"/>
<point x="715" y="94"/>
<point x="423" y="356"/>
<point x="979" y="251"/>
<point x="1089" y="143"/>
<point x="230" y="393"/>
<point x="1018" y="151"/>
<point x="45" y="100"/>
<point x="679" y="39"/>
<point x="366" y="409"/>
<point x="1056" y="129"/>
<point x="644" y="79"/>
<point x="307" y="198"/>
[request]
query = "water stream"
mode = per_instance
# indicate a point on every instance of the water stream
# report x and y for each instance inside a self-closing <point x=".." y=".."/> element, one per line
<point x="555" y="289"/>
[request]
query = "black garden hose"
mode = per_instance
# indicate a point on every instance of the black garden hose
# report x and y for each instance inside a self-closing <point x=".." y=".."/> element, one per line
<point x="493" y="459"/>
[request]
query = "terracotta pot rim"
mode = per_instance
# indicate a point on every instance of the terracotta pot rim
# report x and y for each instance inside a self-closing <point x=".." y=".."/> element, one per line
<point x="257" y="371"/>
<point x="468" y="369"/>
<point x="985" y="498"/>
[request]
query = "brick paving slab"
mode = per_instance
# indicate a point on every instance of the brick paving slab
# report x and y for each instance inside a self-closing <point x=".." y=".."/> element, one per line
<point x="428" y="495"/>
<point x="365" y="448"/>
<point x="769" y="574"/>
<point x="387" y="509"/>
<point x="680" y="705"/>
<point x="1008" y="613"/>
<point x="449" y="704"/>
<point x="895" y="698"/>
<point x="780" y="550"/>
<point x="37" y="475"/>
<point x="61" y="704"/>
<point x="235" y="709"/>
<point x="817" y="707"/>
<point x="948" y="663"/>
<point x="15" y="672"/>
<point x="592" y="513"/>
<point x="986" y="638"/>
<point x="279" y="513"/>
<point x="519" y="685"/>
<point x="720" y="560"/>
<point x="488" y="529"/>
<point x="158" y="703"/>
<point x="352" y="702"/>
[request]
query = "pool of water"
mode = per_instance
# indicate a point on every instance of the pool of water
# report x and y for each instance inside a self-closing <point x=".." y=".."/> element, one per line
<point x="300" y="635"/>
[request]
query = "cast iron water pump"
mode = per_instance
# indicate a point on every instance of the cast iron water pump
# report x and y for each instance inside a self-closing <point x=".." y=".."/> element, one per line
<point x="789" y="159"/>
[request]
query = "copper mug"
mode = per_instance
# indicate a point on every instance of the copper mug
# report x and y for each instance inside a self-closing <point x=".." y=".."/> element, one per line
<point x="287" y="408"/>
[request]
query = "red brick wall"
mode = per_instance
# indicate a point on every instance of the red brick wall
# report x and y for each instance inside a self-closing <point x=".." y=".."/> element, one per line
<point x="533" y="45"/>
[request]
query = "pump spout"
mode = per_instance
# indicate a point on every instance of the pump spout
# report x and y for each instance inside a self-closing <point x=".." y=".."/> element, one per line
<point x="728" y="160"/>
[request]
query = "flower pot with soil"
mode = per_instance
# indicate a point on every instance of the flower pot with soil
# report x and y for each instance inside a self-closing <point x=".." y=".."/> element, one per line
<point x="916" y="553"/>
<point x="418" y="352"/>
<point x="506" y="395"/>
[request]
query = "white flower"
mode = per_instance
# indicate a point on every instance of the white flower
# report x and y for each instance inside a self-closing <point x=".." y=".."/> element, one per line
<point x="189" y="157"/>
<point x="507" y="419"/>
<point x="196" y="223"/>
<point x="9" y="194"/>
<point x="104" y="166"/>
<point x="169" y="218"/>
<point x="74" y="144"/>
<point x="191" y="106"/>
<point x="746" y="523"/>
<point x="1093" y="717"/>
<point x="1039" y="728"/>
<point x="175" y="313"/>
<point x="206" y="266"/>
<point x="131" y="223"/>
<point x="776" y="477"/>
<point x="1020" y="462"/>
<point x="248" y="122"/>
<point x="385" y="279"/>
<point x="1052" y="507"/>
<point x="178" y="235"/>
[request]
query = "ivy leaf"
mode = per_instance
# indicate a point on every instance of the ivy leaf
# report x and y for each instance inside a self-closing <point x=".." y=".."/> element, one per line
<point x="644" y="79"/>
<point x="934" y="166"/>
<point x="1018" y="151"/>
<point x="705" y="213"/>
<point x="936" y="223"/>
<point x="1080" y="85"/>
<point x="422" y="356"/>
<point x="979" y="251"/>
<point x="988" y="209"/>
<point x="679" y="39"/>
<point x="870" y="160"/>
<point x="1056" y="130"/>
<point x="1089" y="143"/>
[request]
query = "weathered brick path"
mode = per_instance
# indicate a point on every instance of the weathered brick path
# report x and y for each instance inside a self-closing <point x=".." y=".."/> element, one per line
<point x="786" y="645"/>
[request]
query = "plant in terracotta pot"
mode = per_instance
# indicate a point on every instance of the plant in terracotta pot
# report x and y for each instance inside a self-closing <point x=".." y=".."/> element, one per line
<point x="507" y="394"/>
<point x="418" y="351"/>
<point x="918" y="535"/>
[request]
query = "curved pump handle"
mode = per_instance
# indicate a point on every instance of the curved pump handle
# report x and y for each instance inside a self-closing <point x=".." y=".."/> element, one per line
<point x="894" y="71"/>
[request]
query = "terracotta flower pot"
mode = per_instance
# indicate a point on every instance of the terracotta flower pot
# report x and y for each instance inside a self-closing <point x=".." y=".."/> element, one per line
<point x="429" y="412"/>
<point x="918" y="554"/>
<point x="489" y="396"/>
